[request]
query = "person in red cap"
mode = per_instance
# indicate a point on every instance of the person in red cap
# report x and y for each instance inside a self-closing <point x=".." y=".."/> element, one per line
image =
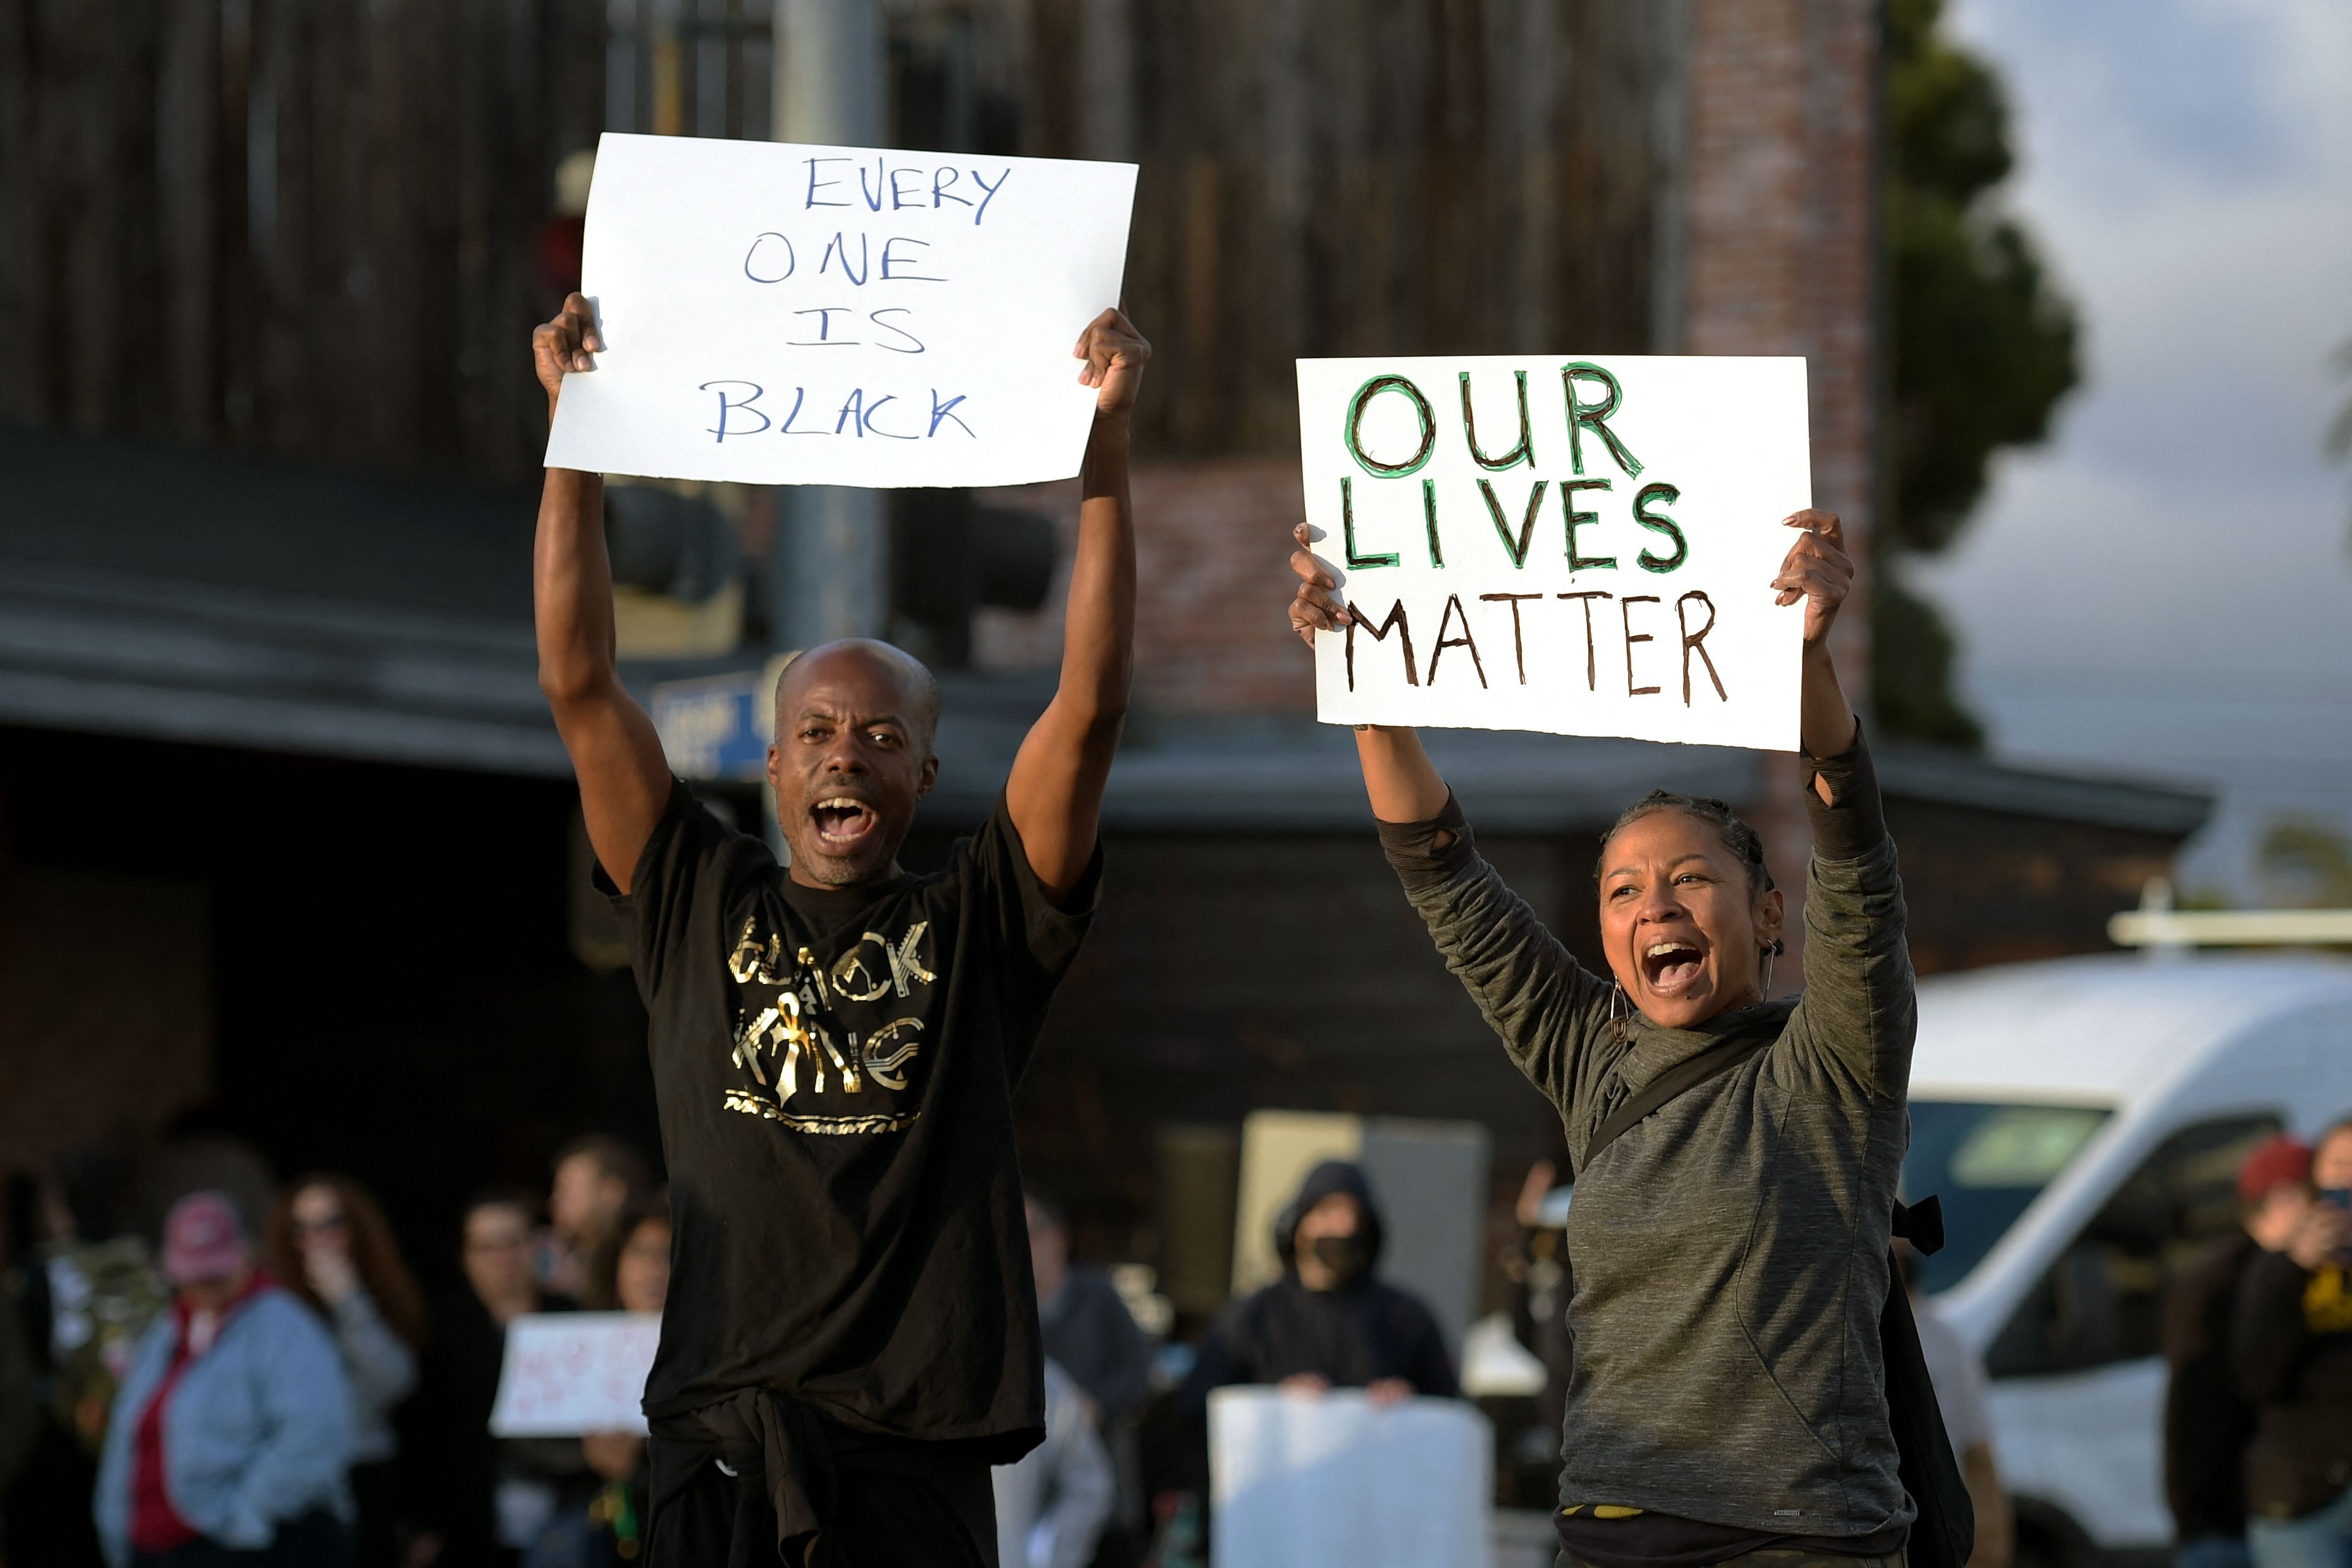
<point x="2291" y="1339"/>
<point x="2207" y="1421"/>
<point x="232" y="1431"/>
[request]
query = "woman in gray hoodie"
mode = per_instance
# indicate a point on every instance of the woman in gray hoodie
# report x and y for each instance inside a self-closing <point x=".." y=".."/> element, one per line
<point x="1731" y="1250"/>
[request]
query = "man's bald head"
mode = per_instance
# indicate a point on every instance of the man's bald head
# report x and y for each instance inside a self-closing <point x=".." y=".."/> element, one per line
<point x="917" y="689"/>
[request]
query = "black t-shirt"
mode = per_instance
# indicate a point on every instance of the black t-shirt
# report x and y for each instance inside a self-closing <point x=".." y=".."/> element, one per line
<point x="834" y="1072"/>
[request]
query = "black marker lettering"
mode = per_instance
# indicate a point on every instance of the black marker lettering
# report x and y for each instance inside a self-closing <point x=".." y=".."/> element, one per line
<point x="1692" y="641"/>
<point x="1594" y="418"/>
<point x="1354" y="430"/>
<point x="1625" y="610"/>
<point x="1516" y="551"/>
<point x="1429" y="526"/>
<point x="1659" y="495"/>
<point x="1348" y="531"/>
<point x="1518" y="643"/>
<point x="1592" y="667"/>
<point x="1525" y="452"/>
<point x="1453" y="609"/>
<point x="1356" y="617"/>
<point x="1576" y="520"/>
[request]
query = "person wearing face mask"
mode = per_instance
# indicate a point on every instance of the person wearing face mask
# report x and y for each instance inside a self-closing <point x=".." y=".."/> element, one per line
<point x="233" y="1427"/>
<point x="1730" y="1242"/>
<point x="1327" y="1323"/>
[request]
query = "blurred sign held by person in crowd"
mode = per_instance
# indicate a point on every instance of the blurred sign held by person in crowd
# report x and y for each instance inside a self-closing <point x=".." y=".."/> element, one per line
<point x="1348" y="1481"/>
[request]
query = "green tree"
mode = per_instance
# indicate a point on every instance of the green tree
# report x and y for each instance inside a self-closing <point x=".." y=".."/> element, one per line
<point x="1983" y="348"/>
<point x="2305" y="864"/>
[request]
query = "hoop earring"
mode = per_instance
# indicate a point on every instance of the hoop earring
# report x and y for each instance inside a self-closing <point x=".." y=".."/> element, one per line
<point x="1616" y="1019"/>
<point x="1771" y="953"/>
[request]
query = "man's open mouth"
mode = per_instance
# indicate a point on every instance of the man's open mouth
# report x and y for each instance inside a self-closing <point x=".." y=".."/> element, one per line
<point x="842" y="823"/>
<point x="1671" y="966"/>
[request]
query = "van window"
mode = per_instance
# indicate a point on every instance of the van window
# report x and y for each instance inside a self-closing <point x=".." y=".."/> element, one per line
<point x="1986" y="1162"/>
<point x="2102" y="1302"/>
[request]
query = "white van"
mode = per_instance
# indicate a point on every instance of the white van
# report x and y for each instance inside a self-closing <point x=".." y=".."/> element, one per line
<point x="2083" y="1121"/>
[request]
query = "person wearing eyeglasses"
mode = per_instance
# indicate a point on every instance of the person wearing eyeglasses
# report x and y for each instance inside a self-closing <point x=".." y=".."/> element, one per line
<point x="330" y="1244"/>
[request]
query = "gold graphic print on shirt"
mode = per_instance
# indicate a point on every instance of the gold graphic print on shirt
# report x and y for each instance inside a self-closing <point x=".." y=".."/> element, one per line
<point x="805" y="1036"/>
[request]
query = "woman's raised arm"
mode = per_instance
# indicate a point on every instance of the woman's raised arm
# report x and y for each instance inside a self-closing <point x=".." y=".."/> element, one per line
<point x="1401" y="781"/>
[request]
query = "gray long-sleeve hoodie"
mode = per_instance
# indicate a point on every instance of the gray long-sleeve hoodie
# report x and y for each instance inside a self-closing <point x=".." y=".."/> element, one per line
<point x="1730" y="1252"/>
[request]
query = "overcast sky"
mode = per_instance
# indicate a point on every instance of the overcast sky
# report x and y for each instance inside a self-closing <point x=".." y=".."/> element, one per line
<point x="2164" y="588"/>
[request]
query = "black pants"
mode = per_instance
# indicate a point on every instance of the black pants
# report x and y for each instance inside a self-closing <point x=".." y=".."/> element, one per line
<point x="882" y="1518"/>
<point x="317" y="1539"/>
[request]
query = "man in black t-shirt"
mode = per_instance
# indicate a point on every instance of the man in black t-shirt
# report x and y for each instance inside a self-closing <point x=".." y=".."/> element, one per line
<point x="851" y="1338"/>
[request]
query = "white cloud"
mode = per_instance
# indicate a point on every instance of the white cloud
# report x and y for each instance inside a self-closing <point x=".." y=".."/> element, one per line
<point x="2166" y="585"/>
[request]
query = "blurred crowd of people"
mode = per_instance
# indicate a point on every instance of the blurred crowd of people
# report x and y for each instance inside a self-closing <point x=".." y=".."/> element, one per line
<point x="265" y="1381"/>
<point x="274" y="1387"/>
<point x="267" y="1384"/>
<point x="2258" y="1424"/>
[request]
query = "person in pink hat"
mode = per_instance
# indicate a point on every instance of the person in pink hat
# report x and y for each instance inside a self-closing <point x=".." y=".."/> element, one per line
<point x="232" y="1431"/>
<point x="2208" y="1422"/>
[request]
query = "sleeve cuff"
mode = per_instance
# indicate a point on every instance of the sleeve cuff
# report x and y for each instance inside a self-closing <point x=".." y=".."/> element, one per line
<point x="1413" y="850"/>
<point x="1853" y="822"/>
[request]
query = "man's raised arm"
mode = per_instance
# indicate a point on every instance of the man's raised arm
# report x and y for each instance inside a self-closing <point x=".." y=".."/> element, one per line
<point x="625" y="780"/>
<point x="1054" y="795"/>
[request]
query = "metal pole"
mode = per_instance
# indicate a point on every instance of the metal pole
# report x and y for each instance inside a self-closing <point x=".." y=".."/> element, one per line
<point x="829" y="564"/>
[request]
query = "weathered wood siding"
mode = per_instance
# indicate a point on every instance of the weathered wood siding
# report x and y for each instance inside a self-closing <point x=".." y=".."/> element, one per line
<point x="311" y="227"/>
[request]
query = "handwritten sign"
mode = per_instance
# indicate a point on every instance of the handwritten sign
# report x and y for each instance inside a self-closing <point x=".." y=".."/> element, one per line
<point x="568" y="1374"/>
<point x="1582" y="546"/>
<point x="1336" y="1482"/>
<point x="775" y="313"/>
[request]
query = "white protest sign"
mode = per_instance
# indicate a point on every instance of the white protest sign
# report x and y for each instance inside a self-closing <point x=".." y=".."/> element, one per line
<point x="1336" y="1482"/>
<point x="569" y="1373"/>
<point x="1582" y="546"/>
<point x="775" y="313"/>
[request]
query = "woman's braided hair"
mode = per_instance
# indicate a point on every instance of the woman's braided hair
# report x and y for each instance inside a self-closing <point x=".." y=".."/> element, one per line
<point x="1743" y="842"/>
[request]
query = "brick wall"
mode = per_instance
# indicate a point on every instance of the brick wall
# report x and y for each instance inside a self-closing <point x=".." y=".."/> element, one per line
<point x="1781" y="257"/>
<point x="1211" y="635"/>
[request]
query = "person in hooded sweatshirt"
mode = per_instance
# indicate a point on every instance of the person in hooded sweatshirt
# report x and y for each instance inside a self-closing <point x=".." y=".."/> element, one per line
<point x="1327" y="1323"/>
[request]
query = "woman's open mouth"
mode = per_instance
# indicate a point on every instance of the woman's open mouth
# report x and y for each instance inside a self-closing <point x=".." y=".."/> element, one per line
<point x="842" y="823"/>
<point x="1672" y="966"/>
